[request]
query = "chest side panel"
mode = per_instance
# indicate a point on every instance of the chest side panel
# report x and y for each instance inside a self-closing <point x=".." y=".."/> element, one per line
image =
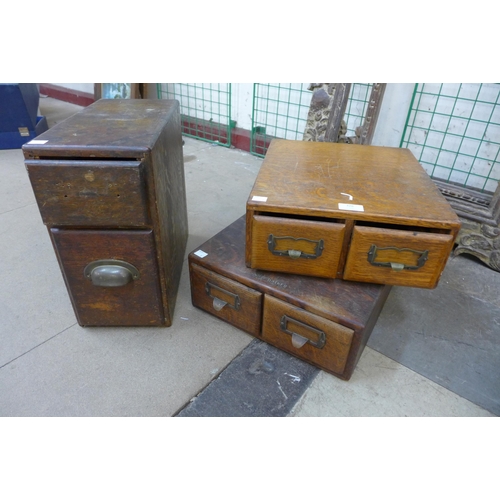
<point x="169" y="205"/>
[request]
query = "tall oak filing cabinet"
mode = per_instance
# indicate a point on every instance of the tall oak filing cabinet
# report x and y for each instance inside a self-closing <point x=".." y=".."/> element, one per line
<point x="109" y="184"/>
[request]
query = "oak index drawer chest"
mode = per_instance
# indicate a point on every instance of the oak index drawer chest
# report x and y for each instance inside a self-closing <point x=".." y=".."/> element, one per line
<point x="109" y="184"/>
<point x="356" y="212"/>
<point x="325" y="322"/>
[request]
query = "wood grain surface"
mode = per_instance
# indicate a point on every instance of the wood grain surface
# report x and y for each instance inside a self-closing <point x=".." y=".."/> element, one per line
<point x="312" y="178"/>
<point x="355" y="306"/>
<point x="331" y="357"/>
<point x="306" y="235"/>
<point x="407" y="243"/>
<point x="137" y="303"/>
<point x="117" y="164"/>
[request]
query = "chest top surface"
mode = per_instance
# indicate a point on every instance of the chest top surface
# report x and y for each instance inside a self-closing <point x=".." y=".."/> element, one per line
<point x="347" y="180"/>
<point x="107" y="128"/>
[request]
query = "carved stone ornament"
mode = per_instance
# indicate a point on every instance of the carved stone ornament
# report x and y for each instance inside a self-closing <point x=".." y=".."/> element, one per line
<point x="480" y="216"/>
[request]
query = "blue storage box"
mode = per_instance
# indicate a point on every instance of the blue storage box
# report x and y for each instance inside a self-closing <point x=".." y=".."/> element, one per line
<point x="19" y="122"/>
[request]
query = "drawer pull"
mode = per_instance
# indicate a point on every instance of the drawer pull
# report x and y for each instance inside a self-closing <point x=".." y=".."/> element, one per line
<point x="299" y="340"/>
<point x="218" y="303"/>
<point x="294" y="254"/>
<point x="110" y="273"/>
<point x="396" y="266"/>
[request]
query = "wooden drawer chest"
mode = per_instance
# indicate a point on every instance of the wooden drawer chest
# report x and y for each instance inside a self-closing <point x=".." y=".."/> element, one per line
<point x="361" y="213"/>
<point x="325" y="322"/>
<point x="109" y="184"/>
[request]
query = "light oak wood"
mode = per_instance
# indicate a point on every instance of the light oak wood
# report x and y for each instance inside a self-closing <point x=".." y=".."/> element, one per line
<point x="349" y="184"/>
<point x="397" y="247"/>
<point x="301" y="236"/>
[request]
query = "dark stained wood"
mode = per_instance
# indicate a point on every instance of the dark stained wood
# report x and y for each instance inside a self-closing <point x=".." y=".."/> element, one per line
<point x="480" y="216"/>
<point x="332" y="356"/>
<point x="336" y="115"/>
<point x="243" y="308"/>
<point x="371" y="117"/>
<point x="137" y="303"/>
<point x="108" y="128"/>
<point x="89" y="193"/>
<point x="118" y="164"/>
<point x="168" y="207"/>
<point x="352" y="305"/>
<point x="385" y="188"/>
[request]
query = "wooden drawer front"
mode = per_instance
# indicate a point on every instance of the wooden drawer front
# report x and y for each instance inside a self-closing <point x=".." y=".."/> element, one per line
<point x="227" y="299"/>
<point x="317" y="246"/>
<point x="286" y="327"/>
<point x="89" y="193"/>
<point x="135" y="303"/>
<point x="397" y="257"/>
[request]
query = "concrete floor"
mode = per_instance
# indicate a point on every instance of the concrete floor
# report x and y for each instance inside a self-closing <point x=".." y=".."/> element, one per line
<point x="50" y="366"/>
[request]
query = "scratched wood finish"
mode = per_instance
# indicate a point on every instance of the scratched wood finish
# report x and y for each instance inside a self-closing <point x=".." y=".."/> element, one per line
<point x="355" y="306"/>
<point x="243" y="304"/>
<point x="332" y="356"/>
<point x="308" y="235"/>
<point x="118" y="164"/>
<point x="89" y="193"/>
<point x="137" y="303"/>
<point x="407" y="244"/>
<point x="348" y="184"/>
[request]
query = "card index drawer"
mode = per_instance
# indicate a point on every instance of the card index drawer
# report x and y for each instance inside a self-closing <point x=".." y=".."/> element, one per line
<point x="89" y="193"/>
<point x="120" y="298"/>
<point x="306" y="335"/>
<point x="227" y="299"/>
<point x="397" y="257"/>
<point x="296" y="246"/>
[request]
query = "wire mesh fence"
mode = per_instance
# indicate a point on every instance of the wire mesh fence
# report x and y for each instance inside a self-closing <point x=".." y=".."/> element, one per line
<point x="205" y="109"/>
<point x="454" y="132"/>
<point x="280" y="110"/>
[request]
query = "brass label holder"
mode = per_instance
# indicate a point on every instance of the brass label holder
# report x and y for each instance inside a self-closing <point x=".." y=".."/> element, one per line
<point x="218" y="303"/>
<point x="299" y="340"/>
<point x="396" y="266"/>
<point x="294" y="254"/>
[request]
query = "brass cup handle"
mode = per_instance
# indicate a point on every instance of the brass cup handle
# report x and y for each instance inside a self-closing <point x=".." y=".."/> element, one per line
<point x="110" y="273"/>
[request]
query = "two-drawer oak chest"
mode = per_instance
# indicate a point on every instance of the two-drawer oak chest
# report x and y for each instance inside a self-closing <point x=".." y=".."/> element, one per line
<point x="356" y="212"/>
<point x="325" y="322"/>
<point x="109" y="184"/>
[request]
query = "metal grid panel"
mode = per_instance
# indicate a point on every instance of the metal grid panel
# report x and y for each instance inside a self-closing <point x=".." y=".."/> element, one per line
<point x="280" y="110"/>
<point x="205" y="109"/>
<point x="359" y="98"/>
<point x="454" y="132"/>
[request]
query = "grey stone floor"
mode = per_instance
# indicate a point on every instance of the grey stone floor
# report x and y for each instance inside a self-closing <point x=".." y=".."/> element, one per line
<point x="50" y="366"/>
